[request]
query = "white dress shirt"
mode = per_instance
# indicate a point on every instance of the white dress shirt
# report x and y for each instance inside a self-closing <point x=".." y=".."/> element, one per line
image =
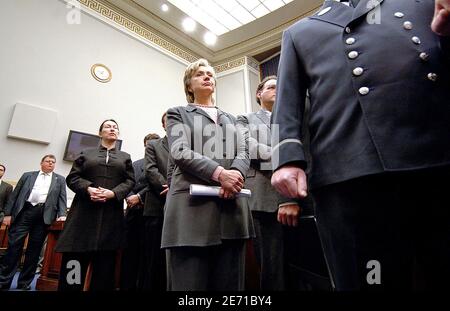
<point x="40" y="189"/>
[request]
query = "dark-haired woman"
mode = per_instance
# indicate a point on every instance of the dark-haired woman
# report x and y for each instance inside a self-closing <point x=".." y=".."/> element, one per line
<point x="93" y="232"/>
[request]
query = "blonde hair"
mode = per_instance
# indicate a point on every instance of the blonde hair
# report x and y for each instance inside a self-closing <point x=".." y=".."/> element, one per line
<point x="189" y="73"/>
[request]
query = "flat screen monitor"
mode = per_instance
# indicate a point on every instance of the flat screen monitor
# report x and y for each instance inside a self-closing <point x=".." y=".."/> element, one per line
<point x="78" y="141"/>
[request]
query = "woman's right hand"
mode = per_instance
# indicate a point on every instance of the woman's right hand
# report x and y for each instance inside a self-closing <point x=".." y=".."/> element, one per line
<point x="231" y="182"/>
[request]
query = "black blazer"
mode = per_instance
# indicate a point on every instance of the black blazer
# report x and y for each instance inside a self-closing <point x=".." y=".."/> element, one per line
<point x="141" y="185"/>
<point x="379" y="96"/>
<point x="55" y="205"/>
<point x="155" y="163"/>
<point x="95" y="226"/>
<point x="5" y="191"/>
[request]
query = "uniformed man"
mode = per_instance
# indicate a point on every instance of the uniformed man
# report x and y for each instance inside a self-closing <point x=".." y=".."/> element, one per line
<point x="378" y="79"/>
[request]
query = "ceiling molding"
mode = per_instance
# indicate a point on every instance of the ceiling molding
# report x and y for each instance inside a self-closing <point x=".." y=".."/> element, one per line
<point x="139" y="22"/>
<point x="119" y="18"/>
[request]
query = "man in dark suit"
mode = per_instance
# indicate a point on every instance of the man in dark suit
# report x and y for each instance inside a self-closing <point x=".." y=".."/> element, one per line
<point x="5" y="191"/>
<point x="268" y="216"/>
<point x="133" y="253"/>
<point x="156" y="158"/>
<point x="38" y="199"/>
<point x="379" y="123"/>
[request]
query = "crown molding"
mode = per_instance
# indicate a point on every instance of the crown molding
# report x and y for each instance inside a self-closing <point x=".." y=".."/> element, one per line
<point x="116" y="13"/>
<point x="121" y="20"/>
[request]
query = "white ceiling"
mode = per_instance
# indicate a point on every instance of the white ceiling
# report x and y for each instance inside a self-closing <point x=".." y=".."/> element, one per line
<point x="220" y="16"/>
<point x="252" y="38"/>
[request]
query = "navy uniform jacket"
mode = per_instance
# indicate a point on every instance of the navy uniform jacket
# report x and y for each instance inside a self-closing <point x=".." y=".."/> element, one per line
<point x="379" y="92"/>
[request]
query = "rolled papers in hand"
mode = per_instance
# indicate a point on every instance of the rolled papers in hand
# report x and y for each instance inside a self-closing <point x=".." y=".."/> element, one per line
<point x="213" y="191"/>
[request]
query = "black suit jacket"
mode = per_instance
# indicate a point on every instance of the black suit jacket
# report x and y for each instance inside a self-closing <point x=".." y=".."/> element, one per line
<point x="5" y="191"/>
<point x="55" y="205"/>
<point x="155" y="163"/>
<point x="141" y="185"/>
<point x="379" y="92"/>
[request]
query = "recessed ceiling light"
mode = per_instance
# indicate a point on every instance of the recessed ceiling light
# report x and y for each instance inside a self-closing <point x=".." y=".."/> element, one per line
<point x="165" y="7"/>
<point x="210" y="38"/>
<point x="189" y="24"/>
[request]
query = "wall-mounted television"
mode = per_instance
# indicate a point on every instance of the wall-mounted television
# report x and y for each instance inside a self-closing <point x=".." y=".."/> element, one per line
<point x="77" y="141"/>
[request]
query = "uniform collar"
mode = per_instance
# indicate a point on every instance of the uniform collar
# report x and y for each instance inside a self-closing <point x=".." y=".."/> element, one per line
<point x="340" y="14"/>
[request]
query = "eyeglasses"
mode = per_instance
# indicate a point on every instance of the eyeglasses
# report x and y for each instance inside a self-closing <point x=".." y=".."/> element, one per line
<point x="50" y="161"/>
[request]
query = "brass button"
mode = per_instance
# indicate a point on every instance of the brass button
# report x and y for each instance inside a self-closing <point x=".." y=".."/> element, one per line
<point x="350" y="41"/>
<point x="353" y="54"/>
<point x="432" y="76"/>
<point x="408" y="25"/>
<point x="416" y="40"/>
<point x="358" y="71"/>
<point x="364" y="90"/>
<point x="424" y="56"/>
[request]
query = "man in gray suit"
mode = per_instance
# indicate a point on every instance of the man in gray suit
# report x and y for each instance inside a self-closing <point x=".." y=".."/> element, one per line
<point x="268" y="216"/>
<point x="379" y="124"/>
<point x="155" y="167"/>
<point x="5" y="191"/>
<point x="38" y="199"/>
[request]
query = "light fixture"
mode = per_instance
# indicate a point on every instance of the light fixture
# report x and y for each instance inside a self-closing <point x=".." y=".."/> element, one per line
<point x="210" y="38"/>
<point x="189" y="24"/>
<point x="164" y="7"/>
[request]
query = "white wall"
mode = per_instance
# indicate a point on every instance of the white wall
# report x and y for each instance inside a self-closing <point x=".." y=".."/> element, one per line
<point x="254" y="81"/>
<point x="230" y="92"/>
<point x="46" y="62"/>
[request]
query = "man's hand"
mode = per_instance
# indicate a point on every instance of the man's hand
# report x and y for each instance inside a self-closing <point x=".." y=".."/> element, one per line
<point x="61" y="218"/>
<point x="441" y="20"/>
<point x="133" y="200"/>
<point x="288" y="214"/>
<point x="290" y="181"/>
<point x="164" y="192"/>
<point x="231" y="182"/>
<point x="7" y="221"/>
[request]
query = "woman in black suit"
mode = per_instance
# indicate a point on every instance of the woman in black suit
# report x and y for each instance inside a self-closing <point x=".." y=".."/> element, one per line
<point x="205" y="236"/>
<point x="93" y="232"/>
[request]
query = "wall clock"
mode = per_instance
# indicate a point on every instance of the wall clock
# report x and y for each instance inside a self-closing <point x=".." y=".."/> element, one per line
<point x="101" y="73"/>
